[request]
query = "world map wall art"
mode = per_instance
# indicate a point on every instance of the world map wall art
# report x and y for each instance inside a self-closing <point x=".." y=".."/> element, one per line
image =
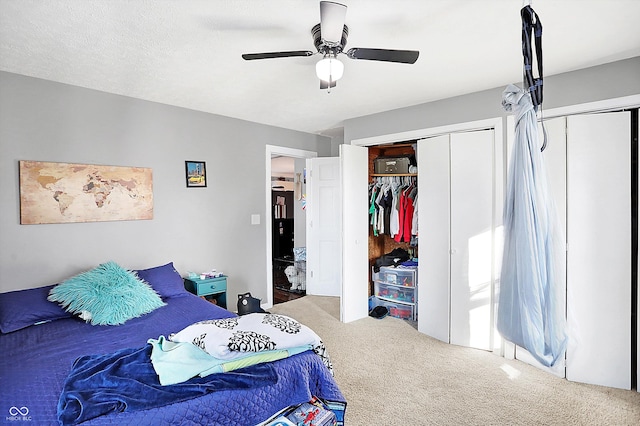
<point x="66" y="193"/>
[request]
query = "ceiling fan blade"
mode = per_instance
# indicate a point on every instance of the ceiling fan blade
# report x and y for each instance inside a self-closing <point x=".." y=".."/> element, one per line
<point x="332" y="21"/>
<point x="387" y="55"/>
<point x="271" y="55"/>
<point x="325" y="84"/>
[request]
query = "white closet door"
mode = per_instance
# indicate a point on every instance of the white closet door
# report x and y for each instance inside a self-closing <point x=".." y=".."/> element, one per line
<point x="471" y="238"/>
<point x="433" y="237"/>
<point x="355" y="232"/>
<point x="555" y="160"/>
<point x="324" y="272"/>
<point x="599" y="249"/>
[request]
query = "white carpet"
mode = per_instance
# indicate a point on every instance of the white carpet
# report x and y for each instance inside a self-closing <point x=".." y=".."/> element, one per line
<point x="391" y="374"/>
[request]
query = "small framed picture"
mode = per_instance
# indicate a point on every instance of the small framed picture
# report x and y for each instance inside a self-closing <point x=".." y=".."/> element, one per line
<point x="196" y="174"/>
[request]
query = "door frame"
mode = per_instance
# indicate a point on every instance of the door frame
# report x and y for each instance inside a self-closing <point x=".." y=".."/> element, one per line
<point x="271" y="150"/>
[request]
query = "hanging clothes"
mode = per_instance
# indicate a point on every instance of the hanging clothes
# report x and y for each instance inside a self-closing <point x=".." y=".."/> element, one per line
<point x="402" y="204"/>
<point x="373" y="209"/>
<point x="530" y="308"/>
<point x="394" y="225"/>
<point x="392" y="206"/>
<point x="406" y="209"/>
<point x="408" y="216"/>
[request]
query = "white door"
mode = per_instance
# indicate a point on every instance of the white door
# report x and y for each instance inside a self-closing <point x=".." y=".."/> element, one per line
<point x="433" y="239"/>
<point x="324" y="255"/>
<point x="555" y="160"/>
<point x="355" y="232"/>
<point x="599" y="249"/>
<point x="472" y="239"/>
<point x="337" y="230"/>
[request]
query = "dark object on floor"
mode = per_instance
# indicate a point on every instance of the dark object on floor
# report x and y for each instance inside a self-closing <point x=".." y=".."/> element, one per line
<point x="379" y="312"/>
<point x="248" y="304"/>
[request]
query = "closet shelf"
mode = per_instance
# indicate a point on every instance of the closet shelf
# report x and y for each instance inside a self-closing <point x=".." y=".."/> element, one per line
<point x="392" y="174"/>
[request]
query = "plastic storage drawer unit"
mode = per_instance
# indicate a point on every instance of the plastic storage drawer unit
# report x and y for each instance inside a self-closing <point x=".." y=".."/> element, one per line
<point x="395" y="292"/>
<point x="398" y="276"/>
<point x="398" y="310"/>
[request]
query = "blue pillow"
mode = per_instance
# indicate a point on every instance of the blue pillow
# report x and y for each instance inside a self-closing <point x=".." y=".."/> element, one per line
<point x="106" y="295"/>
<point x="165" y="280"/>
<point x="23" y="308"/>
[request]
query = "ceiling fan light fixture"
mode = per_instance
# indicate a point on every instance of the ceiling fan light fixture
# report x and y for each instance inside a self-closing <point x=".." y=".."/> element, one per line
<point x="329" y="69"/>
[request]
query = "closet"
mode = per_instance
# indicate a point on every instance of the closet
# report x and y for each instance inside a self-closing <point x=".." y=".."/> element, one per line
<point x="392" y="193"/>
<point x="460" y="192"/>
<point x="393" y="198"/>
<point x="459" y="178"/>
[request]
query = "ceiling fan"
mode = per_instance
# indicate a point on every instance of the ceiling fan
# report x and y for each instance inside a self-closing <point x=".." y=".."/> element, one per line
<point x="330" y="38"/>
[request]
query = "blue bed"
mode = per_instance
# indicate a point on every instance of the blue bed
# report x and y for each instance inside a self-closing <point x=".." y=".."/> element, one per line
<point x="36" y="360"/>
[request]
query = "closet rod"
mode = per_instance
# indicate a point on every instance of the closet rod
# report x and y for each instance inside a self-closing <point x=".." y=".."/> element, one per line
<point x="392" y="174"/>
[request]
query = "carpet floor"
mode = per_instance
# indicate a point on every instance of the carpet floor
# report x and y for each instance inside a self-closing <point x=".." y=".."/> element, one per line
<point x="391" y="374"/>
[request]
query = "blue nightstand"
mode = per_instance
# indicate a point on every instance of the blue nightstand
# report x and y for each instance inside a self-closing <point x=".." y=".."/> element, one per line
<point x="212" y="289"/>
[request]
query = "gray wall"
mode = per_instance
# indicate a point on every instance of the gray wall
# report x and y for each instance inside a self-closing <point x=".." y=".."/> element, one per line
<point x="196" y="228"/>
<point x="613" y="80"/>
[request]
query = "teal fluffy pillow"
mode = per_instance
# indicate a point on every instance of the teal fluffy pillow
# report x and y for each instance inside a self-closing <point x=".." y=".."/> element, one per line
<point x="106" y="295"/>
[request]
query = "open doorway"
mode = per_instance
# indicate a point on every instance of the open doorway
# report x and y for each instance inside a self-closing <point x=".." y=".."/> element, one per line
<point x="288" y="238"/>
<point x="285" y="220"/>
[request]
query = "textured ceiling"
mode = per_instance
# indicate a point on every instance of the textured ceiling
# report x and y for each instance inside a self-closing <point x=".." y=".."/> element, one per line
<point x="187" y="53"/>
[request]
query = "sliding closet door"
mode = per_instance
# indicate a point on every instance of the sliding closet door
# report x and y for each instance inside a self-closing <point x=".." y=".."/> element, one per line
<point x="472" y="239"/>
<point x="555" y="160"/>
<point x="434" y="226"/>
<point x="599" y="249"/>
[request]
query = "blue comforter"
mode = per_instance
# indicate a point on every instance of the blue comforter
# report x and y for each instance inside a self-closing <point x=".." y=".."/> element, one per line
<point x="36" y="362"/>
<point x="126" y="381"/>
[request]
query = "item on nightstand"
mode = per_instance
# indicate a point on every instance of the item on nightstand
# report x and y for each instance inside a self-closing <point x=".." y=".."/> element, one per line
<point x="211" y="274"/>
<point x="248" y="304"/>
<point x="205" y="275"/>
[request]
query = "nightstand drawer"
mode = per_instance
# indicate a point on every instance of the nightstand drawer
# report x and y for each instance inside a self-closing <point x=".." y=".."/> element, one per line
<point x="207" y="286"/>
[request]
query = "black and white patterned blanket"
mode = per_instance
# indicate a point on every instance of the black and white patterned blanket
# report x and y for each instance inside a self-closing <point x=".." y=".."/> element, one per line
<point x="231" y="338"/>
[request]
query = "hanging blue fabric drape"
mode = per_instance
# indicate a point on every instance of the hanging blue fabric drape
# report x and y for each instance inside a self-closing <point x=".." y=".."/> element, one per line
<point x="531" y="305"/>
